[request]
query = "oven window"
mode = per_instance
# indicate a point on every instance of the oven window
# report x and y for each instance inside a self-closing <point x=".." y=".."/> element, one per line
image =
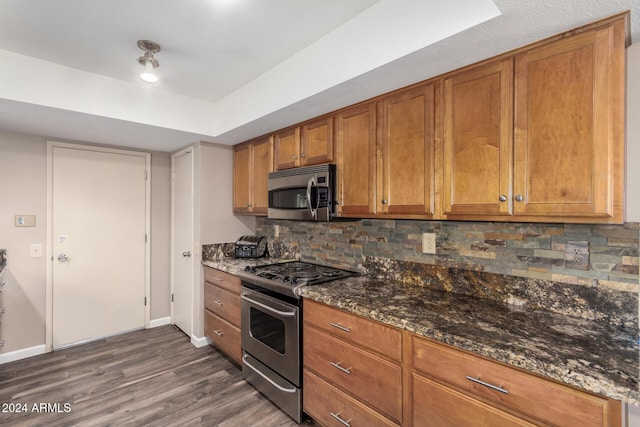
<point x="288" y="198"/>
<point x="267" y="329"/>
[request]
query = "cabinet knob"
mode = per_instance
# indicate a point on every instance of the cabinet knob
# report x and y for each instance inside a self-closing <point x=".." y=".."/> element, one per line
<point x="503" y="198"/>
<point x="294" y="157"/>
<point x="248" y="205"/>
<point x="303" y="156"/>
<point x="519" y="198"/>
<point x="384" y="201"/>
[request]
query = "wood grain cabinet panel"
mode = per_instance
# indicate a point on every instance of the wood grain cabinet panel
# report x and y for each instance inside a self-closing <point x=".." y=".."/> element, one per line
<point x="222" y="303"/>
<point x="222" y="279"/>
<point x="372" y="379"/>
<point x="406" y="125"/>
<point x="528" y="394"/>
<point x="373" y="336"/>
<point x="222" y="320"/>
<point x="439" y="406"/>
<point x="356" y="160"/>
<point x="316" y="142"/>
<point x="252" y="162"/>
<point x="224" y="335"/>
<point x="287" y="148"/>
<point x="569" y="136"/>
<point x="478" y="119"/>
<point x="332" y="408"/>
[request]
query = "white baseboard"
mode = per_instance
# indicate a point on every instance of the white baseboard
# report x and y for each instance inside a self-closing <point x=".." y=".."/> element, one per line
<point x="160" y="322"/>
<point x="200" y="342"/>
<point x="22" y="354"/>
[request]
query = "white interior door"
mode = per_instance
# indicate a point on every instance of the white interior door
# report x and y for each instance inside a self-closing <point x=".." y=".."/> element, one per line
<point x="99" y="250"/>
<point x="182" y="241"/>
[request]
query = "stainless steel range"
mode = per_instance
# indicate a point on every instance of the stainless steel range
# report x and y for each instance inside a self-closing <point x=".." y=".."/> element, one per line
<point x="271" y="328"/>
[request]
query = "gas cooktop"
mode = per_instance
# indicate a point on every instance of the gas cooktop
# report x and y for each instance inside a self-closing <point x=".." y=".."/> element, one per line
<point x="286" y="277"/>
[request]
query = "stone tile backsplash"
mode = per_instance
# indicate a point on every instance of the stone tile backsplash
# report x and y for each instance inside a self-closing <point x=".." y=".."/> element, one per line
<point x="588" y="271"/>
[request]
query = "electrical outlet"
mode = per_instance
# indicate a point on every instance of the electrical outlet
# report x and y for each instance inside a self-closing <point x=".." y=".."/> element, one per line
<point x="428" y="243"/>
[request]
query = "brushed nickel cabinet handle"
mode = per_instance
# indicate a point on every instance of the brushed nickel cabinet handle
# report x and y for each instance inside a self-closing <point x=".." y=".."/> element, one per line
<point x="503" y="198"/>
<point x="491" y="386"/>
<point x="219" y="332"/>
<point x="339" y="418"/>
<point x="217" y="279"/>
<point x="384" y="201"/>
<point x="218" y="303"/>
<point x="519" y="198"/>
<point x="337" y="366"/>
<point x="339" y="326"/>
<point x="294" y="157"/>
<point x="303" y="156"/>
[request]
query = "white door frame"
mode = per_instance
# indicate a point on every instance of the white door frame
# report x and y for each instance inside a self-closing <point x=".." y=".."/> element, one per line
<point x="191" y="286"/>
<point x="49" y="258"/>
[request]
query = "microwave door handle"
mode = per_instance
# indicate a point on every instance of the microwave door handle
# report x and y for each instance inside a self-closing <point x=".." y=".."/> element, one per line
<point x="310" y="183"/>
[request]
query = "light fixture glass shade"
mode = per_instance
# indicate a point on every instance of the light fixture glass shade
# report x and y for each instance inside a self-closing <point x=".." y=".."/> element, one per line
<point x="149" y="75"/>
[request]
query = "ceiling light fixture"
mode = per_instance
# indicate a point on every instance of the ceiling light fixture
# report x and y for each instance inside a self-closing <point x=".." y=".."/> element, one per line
<point x="149" y="62"/>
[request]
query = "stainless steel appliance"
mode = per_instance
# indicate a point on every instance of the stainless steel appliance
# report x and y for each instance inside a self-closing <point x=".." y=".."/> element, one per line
<point x="271" y="328"/>
<point x="250" y="247"/>
<point x="306" y="193"/>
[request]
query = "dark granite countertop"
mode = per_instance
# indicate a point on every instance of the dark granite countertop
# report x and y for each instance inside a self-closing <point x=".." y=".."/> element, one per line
<point x="595" y="356"/>
<point x="587" y="354"/>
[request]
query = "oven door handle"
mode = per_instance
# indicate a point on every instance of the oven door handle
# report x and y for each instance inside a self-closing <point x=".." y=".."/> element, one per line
<point x="310" y="183"/>
<point x="254" y="369"/>
<point x="266" y="307"/>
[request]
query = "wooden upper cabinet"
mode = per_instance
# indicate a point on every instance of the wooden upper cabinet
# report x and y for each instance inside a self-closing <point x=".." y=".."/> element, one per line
<point x="406" y="124"/>
<point x="286" y="146"/>
<point x="306" y="145"/>
<point x="242" y="178"/>
<point x="569" y="135"/>
<point x="252" y="162"/>
<point x="356" y="160"/>
<point x="316" y="145"/>
<point x="477" y="148"/>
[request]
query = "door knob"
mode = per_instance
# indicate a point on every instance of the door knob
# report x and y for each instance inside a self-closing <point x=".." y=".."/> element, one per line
<point x="63" y="258"/>
<point x="186" y="254"/>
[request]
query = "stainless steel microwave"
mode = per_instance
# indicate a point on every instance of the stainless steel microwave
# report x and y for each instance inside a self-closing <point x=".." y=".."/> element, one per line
<point x="306" y="193"/>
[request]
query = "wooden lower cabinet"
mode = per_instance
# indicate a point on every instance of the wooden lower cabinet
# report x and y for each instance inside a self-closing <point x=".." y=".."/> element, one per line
<point x="222" y="311"/>
<point x="331" y="407"/>
<point x="363" y="372"/>
<point x="339" y="353"/>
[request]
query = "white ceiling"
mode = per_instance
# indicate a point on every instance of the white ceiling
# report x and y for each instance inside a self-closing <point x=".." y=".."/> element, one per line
<point x="235" y="69"/>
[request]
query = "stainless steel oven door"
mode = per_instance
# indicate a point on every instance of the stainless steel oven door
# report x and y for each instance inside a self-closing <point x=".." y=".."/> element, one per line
<point x="271" y="333"/>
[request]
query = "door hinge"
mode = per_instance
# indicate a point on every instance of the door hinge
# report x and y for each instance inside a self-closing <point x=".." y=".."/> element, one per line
<point x="145" y="301"/>
<point x="146" y="175"/>
<point x="171" y="297"/>
<point x="145" y="238"/>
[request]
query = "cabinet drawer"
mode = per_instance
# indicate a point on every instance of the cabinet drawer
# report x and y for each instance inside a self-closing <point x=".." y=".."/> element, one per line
<point x="535" y="396"/>
<point x="225" y="280"/>
<point x="325" y="403"/>
<point x="437" y="405"/>
<point x="357" y="330"/>
<point x="372" y="379"/>
<point x="224" y="335"/>
<point x="222" y="303"/>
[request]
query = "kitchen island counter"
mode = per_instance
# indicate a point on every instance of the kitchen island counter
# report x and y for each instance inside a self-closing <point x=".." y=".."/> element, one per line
<point x="594" y="356"/>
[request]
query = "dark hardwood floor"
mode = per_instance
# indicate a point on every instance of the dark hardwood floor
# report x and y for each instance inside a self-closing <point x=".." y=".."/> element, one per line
<point x="143" y="378"/>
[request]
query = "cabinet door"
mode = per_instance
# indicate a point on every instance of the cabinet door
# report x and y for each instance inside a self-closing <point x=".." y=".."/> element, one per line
<point x="287" y="148"/>
<point x="569" y="126"/>
<point x="478" y="117"/>
<point x="356" y="160"/>
<point x="317" y="142"/>
<point x="262" y="165"/>
<point x="406" y="134"/>
<point x="242" y="178"/>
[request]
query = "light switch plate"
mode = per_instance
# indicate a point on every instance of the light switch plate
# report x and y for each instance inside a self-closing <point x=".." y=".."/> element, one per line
<point x="36" y="250"/>
<point x="25" y="220"/>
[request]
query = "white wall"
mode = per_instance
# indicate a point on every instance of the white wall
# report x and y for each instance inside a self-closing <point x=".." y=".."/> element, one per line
<point x="23" y="161"/>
